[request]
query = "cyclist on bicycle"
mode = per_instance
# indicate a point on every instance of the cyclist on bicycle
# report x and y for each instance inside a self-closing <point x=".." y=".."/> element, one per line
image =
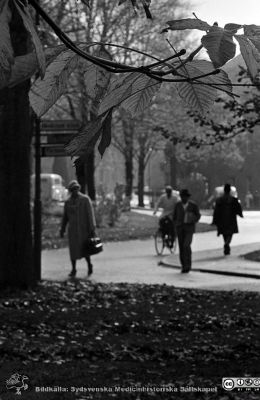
<point x="167" y="202"/>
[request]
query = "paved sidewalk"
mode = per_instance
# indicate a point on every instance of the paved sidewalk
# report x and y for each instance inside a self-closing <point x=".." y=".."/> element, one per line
<point x="135" y="262"/>
<point x="214" y="262"/>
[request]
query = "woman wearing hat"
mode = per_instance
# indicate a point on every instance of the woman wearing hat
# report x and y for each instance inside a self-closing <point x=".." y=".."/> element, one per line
<point x="79" y="215"/>
<point x="186" y="215"/>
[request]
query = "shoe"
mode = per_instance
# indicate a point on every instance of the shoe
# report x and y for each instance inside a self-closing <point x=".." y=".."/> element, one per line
<point x="226" y="250"/>
<point x="72" y="273"/>
<point x="185" y="271"/>
<point x="90" y="269"/>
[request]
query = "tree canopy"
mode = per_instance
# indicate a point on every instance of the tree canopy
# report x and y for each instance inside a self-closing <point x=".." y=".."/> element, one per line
<point x="128" y="86"/>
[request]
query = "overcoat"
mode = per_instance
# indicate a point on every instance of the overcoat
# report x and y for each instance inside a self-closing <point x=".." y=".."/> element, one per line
<point x="225" y="214"/>
<point x="192" y="215"/>
<point x="79" y="215"/>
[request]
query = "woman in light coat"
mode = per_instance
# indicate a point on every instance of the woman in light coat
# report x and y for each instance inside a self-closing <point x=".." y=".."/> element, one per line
<point x="79" y="215"/>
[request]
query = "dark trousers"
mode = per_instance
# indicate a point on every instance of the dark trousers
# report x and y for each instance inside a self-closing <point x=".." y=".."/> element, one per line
<point x="185" y="234"/>
<point x="227" y="241"/>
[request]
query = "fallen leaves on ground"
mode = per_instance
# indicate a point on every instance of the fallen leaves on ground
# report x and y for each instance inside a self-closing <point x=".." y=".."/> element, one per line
<point x="111" y="334"/>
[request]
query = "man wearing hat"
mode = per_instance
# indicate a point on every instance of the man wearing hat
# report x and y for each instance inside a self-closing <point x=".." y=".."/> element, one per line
<point x="186" y="215"/>
<point x="79" y="215"/>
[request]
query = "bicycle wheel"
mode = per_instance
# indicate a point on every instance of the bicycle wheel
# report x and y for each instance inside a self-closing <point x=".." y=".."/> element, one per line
<point x="159" y="242"/>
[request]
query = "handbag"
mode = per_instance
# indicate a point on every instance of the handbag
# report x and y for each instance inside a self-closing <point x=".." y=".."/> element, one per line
<point x="91" y="246"/>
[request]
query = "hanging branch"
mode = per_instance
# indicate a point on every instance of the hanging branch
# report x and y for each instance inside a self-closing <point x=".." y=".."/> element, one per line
<point x="219" y="136"/>
<point x="109" y="65"/>
<point x="116" y="67"/>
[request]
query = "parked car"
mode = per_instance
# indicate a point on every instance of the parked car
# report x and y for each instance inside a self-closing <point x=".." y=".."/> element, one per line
<point x="219" y="191"/>
<point x="53" y="192"/>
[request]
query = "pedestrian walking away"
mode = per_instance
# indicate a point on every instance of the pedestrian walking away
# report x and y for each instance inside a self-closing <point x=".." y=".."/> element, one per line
<point x="167" y="202"/>
<point x="225" y="216"/>
<point x="79" y="216"/>
<point x="185" y="217"/>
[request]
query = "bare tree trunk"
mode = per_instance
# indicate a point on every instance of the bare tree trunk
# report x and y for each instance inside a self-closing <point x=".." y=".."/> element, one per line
<point x="129" y="176"/>
<point x="170" y="153"/>
<point x="80" y="174"/>
<point x="16" y="253"/>
<point x="85" y="172"/>
<point x="173" y="167"/>
<point x="89" y="168"/>
<point x="141" y="170"/>
<point x="128" y="132"/>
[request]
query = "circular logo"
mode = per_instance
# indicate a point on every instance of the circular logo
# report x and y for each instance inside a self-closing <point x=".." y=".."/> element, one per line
<point x="257" y="382"/>
<point x="240" y="382"/>
<point x="17" y="382"/>
<point x="248" y="381"/>
<point x="228" y="384"/>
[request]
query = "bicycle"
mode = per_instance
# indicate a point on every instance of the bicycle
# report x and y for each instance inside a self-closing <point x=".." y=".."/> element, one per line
<point x="164" y="237"/>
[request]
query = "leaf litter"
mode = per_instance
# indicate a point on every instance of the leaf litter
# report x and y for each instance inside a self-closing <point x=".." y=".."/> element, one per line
<point x="111" y="334"/>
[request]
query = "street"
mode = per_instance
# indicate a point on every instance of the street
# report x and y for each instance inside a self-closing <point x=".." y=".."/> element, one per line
<point x="135" y="261"/>
<point x="249" y="231"/>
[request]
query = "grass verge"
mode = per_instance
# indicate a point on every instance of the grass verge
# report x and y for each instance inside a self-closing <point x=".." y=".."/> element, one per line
<point x="253" y="256"/>
<point x="131" y="225"/>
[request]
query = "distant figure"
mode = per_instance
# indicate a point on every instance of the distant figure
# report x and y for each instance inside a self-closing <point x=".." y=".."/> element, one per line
<point x="167" y="202"/>
<point x="118" y="192"/>
<point x="256" y="199"/>
<point x="248" y="200"/>
<point x="185" y="217"/>
<point x="225" y="216"/>
<point x="79" y="215"/>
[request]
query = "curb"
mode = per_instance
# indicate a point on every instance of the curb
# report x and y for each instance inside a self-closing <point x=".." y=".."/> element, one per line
<point x="239" y="274"/>
<point x="213" y="271"/>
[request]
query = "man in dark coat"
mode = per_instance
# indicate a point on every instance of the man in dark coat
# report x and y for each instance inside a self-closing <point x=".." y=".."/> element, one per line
<point x="186" y="215"/>
<point x="225" y="216"/>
